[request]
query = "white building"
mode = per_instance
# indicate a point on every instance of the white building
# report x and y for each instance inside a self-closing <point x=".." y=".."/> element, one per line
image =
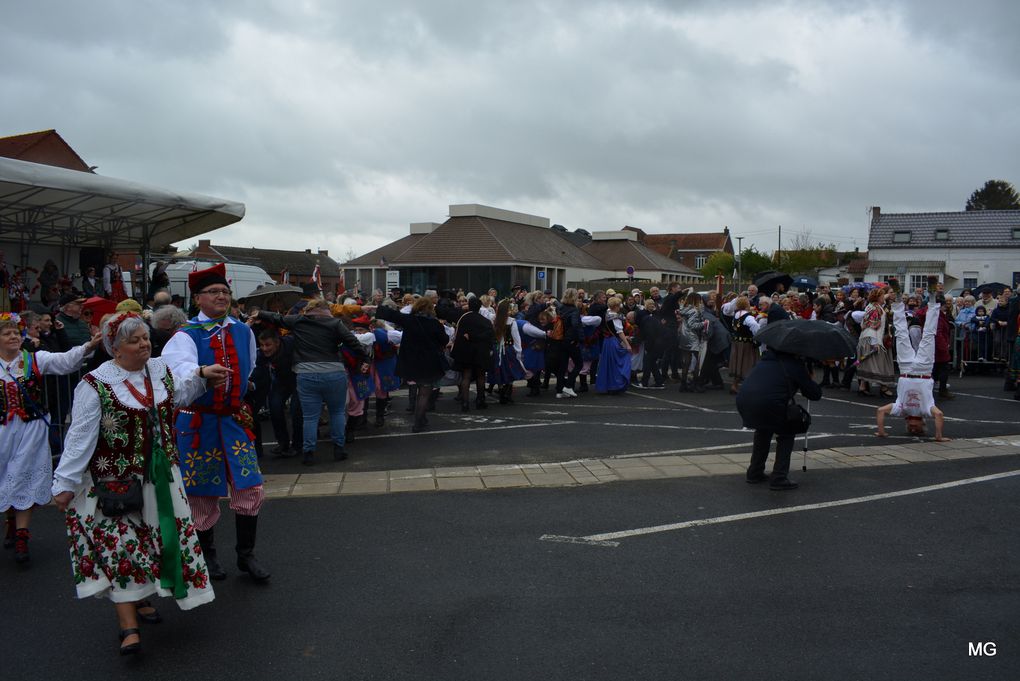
<point x="963" y="249"/>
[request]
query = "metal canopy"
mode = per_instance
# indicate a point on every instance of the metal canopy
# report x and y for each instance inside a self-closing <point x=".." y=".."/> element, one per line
<point x="46" y="205"/>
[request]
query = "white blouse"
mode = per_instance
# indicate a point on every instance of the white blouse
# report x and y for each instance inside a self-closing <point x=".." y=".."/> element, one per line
<point x="87" y="413"/>
<point x="57" y="363"/>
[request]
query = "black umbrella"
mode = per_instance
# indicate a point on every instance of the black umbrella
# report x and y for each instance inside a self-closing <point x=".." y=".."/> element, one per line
<point x="995" y="287"/>
<point x="768" y="280"/>
<point x="811" y="338"/>
<point x="805" y="283"/>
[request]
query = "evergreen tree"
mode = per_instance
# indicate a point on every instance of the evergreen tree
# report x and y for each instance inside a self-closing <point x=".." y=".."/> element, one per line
<point x="995" y="195"/>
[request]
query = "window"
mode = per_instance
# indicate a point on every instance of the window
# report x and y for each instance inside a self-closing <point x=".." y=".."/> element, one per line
<point x="901" y="237"/>
<point x="1016" y="232"/>
<point x="919" y="281"/>
<point x="970" y="279"/>
<point x="941" y="235"/>
<point x="700" y="261"/>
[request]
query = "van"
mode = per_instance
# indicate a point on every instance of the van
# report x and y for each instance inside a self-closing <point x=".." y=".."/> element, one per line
<point x="243" y="279"/>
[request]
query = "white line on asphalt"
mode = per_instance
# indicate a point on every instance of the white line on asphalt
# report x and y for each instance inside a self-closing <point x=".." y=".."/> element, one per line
<point x="467" y="430"/>
<point x="609" y="538"/>
<point x="679" y="404"/>
<point x="859" y="404"/>
<point x="986" y="397"/>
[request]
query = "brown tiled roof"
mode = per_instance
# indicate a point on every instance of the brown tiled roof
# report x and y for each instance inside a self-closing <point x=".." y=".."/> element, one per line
<point x="468" y="239"/>
<point x="619" y="254"/>
<point x="703" y="241"/>
<point x="298" y="263"/>
<point x="390" y="251"/>
<point x="46" y="147"/>
<point x="859" y="266"/>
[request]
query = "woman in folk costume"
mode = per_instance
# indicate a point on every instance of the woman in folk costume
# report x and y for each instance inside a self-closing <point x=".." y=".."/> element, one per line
<point x="214" y="434"/>
<point x="384" y="367"/>
<point x="25" y="466"/>
<point x="591" y="346"/>
<point x="506" y="353"/>
<point x="614" y="364"/>
<point x="360" y="386"/>
<point x="744" y="351"/>
<point x="533" y="342"/>
<point x="874" y="361"/>
<point x="113" y="280"/>
<point x="119" y="483"/>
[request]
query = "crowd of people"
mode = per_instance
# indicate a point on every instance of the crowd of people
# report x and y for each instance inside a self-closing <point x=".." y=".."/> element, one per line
<point x="164" y="413"/>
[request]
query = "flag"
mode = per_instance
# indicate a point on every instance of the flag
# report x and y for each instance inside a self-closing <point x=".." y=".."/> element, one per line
<point x="317" y="277"/>
<point x="285" y="276"/>
<point x="341" y="287"/>
<point x="194" y="266"/>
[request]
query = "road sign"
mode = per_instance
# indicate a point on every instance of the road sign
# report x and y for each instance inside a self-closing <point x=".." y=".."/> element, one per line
<point x="541" y="274"/>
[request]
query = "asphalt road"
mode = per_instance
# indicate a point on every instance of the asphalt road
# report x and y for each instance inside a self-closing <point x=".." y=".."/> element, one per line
<point x="639" y="422"/>
<point x="461" y="586"/>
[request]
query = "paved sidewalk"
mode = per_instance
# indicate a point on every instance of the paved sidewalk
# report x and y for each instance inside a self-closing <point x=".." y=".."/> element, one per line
<point x="597" y="471"/>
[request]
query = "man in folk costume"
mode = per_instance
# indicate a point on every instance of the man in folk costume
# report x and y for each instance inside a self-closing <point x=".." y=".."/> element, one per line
<point x="214" y="433"/>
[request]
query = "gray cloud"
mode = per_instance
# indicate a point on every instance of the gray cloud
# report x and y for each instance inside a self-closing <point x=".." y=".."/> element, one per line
<point x="339" y="123"/>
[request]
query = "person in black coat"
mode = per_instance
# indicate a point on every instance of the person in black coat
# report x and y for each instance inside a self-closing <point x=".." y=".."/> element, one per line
<point x="652" y="335"/>
<point x="565" y="349"/>
<point x="715" y="350"/>
<point x="762" y="401"/>
<point x="671" y="327"/>
<point x="277" y="353"/>
<point x="472" y="353"/>
<point x="421" y="355"/>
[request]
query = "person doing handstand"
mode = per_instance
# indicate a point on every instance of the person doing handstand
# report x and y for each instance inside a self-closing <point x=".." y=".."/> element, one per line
<point x="914" y="400"/>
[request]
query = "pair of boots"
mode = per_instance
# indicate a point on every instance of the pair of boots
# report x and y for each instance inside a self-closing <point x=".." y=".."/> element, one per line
<point x="506" y="394"/>
<point x="412" y="397"/>
<point x="246" y="526"/>
<point x="16" y="538"/>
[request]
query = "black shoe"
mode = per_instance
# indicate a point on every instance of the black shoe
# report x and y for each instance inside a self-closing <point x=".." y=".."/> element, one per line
<point x="420" y="428"/>
<point x="308" y="459"/>
<point x="212" y="565"/>
<point x="131" y="648"/>
<point x="338" y="453"/>
<point x="246" y="562"/>
<point x="279" y="450"/>
<point x="151" y="617"/>
<point x="782" y="484"/>
<point x="756" y="479"/>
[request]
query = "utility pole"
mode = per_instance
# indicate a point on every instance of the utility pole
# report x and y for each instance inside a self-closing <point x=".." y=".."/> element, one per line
<point x="740" y="262"/>
<point x="779" y="250"/>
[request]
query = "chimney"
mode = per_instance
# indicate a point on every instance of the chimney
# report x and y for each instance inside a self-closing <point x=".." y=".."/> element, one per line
<point x="323" y="251"/>
<point x="204" y="244"/>
<point x="876" y="213"/>
<point x="726" y="230"/>
<point x="308" y="251"/>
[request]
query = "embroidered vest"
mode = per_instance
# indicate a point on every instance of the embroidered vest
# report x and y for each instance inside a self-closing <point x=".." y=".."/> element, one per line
<point x="12" y="397"/>
<point x="230" y="349"/>
<point x="125" y="436"/>
<point x="741" y="333"/>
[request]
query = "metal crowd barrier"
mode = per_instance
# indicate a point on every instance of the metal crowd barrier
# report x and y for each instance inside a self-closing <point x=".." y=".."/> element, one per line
<point x="989" y="350"/>
<point x="58" y="395"/>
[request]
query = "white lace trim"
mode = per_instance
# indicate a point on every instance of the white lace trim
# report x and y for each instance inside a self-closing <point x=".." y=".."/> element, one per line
<point x="112" y="373"/>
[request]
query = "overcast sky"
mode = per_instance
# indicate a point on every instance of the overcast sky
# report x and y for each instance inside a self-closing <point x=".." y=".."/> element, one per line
<point x="338" y="123"/>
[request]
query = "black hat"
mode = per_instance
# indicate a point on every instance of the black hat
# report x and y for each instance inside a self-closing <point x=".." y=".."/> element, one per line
<point x="310" y="289"/>
<point x="70" y="298"/>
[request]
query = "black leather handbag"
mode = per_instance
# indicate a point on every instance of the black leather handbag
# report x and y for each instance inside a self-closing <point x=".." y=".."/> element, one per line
<point x="117" y="497"/>
<point x="798" y="420"/>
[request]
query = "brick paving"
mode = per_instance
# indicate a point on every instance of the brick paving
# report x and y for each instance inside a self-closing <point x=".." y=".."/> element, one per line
<point x="600" y="471"/>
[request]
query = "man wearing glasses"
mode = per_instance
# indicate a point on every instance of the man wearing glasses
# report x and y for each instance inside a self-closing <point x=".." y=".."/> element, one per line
<point x="216" y="448"/>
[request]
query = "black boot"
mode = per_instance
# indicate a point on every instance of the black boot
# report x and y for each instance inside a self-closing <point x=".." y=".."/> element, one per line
<point x="246" y="561"/>
<point x="349" y="428"/>
<point x="583" y="386"/>
<point x="216" y="571"/>
<point x="412" y="395"/>
<point x="432" y="399"/>
<point x="380" y="412"/>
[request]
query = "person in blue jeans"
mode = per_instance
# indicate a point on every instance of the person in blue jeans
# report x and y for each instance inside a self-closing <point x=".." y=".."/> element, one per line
<point x="321" y="376"/>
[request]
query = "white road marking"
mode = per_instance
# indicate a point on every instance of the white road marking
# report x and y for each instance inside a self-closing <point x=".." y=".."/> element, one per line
<point x="609" y="538"/>
<point x="679" y="404"/>
<point x="986" y="397"/>
<point x="538" y="424"/>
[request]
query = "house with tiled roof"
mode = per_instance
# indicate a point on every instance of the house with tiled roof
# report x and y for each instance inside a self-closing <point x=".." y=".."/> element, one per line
<point x="481" y="247"/>
<point x="46" y="147"/>
<point x="625" y="256"/>
<point x="964" y="248"/>
<point x="299" y="265"/>
<point x="692" y="249"/>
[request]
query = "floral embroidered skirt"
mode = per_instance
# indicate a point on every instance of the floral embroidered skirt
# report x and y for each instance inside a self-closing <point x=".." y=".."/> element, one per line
<point x="119" y="558"/>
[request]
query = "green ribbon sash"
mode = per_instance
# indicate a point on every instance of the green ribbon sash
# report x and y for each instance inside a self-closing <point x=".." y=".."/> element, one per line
<point x="171" y="568"/>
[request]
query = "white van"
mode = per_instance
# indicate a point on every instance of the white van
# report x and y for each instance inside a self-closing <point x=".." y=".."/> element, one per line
<point x="243" y="278"/>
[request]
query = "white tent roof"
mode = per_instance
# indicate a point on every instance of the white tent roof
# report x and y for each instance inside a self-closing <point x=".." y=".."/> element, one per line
<point x="55" y="206"/>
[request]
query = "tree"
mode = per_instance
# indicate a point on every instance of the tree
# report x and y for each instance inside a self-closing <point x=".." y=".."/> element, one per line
<point x="720" y="262"/>
<point x="995" y="195"/>
<point x="752" y="262"/>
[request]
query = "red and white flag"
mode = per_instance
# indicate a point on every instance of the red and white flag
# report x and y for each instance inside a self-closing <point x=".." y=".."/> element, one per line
<point x="194" y="266"/>
<point x="285" y="276"/>
<point x="317" y="277"/>
<point x="341" y="286"/>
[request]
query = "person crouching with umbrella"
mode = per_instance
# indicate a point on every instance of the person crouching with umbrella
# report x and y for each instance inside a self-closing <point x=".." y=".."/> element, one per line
<point x="914" y="399"/>
<point x="762" y="403"/>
